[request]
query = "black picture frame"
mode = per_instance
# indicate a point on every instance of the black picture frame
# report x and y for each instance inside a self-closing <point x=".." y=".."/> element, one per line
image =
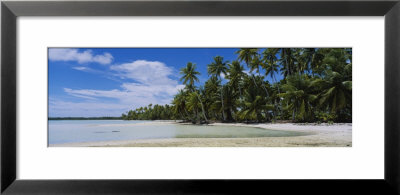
<point x="10" y="10"/>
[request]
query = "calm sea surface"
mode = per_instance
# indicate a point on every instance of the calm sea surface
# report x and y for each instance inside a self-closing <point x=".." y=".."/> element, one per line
<point x="72" y="131"/>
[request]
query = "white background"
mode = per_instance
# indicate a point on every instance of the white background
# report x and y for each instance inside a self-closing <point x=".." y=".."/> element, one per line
<point x="364" y="160"/>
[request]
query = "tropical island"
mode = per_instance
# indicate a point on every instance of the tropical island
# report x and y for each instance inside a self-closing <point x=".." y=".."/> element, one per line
<point x="316" y="87"/>
<point x="279" y="97"/>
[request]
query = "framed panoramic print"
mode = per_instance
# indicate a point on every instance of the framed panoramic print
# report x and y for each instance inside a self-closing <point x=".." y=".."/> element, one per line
<point x="200" y="97"/>
<point x="307" y="91"/>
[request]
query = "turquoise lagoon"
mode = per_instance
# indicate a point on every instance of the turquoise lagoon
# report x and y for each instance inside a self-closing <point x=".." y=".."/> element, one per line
<point x="75" y="131"/>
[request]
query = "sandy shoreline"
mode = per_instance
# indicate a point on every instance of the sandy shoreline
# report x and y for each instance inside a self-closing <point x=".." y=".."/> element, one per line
<point x="322" y="135"/>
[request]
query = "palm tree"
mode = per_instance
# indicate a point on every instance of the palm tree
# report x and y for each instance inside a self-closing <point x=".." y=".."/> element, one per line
<point x="338" y="92"/>
<point x="255" y="65"/>
<point x="254" y="105"/>
<point x="271" y="63"/>
<point x="336" y="86"/>
<point x="316" y="86"/>
<point x="194" y="102"/>
<point x="287" y="61"/>
<point x="299" y="60"/>
<point x="202" y="93"/>
<point x="235" y="75"/>
<point x="189" y="76"/>
<point x="179" y="103"/>
<point x="211" y="88"/>
<point x="229" y="102"/>
<point x="307" y="57"/>
<point x="246" y="55"/>
<point x="298" y="96"/>
<point x="215" y="69"/>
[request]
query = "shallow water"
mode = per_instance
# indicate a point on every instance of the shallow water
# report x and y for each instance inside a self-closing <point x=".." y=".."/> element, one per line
<point x="72" y="131"/>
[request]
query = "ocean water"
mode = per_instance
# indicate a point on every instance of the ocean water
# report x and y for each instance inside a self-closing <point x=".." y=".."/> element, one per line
<point x="74" y="131"/>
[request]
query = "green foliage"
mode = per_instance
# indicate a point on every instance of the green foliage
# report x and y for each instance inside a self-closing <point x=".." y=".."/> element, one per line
<point x="324" y="116"/>
<point x="298" y="96"/>
<point x="316" y="87"/>
<point x="189" y="75"/>
<point x="150" y="112"/>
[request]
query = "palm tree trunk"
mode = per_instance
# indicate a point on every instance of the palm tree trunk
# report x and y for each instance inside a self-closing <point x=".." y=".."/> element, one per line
<point x="293" y="117"/>
<point x="197" y="115"/>
<point x="180" y="113"/>
<point x="266" y="91"/>
<point x="202" y="107"/>
<point x="288" y="66"/>
<point x="280" y="102"/>
<point x="254" y="80"/>
<point x="240" y="91"/>
<point x="187" y="112"/>
<point x="277" y="85"/>
<point x="222" y="100"/>
<point x="231" y="112"/>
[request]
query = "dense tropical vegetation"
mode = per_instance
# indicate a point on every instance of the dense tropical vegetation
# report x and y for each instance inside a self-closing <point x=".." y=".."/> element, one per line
<point x="315" y="86"/>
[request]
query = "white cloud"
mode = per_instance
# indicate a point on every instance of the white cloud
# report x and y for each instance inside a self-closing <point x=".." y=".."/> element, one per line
<point x="148" y="90"/>
<point x="145" y="72"/>
<point x="106" y="58"/>
<point x="151" y="84"/>
<point x="80" y="68"/>
<point x="61" y="54"/>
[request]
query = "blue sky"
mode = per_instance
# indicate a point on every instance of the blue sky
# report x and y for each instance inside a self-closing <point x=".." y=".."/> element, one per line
<point x="93" y="82"/>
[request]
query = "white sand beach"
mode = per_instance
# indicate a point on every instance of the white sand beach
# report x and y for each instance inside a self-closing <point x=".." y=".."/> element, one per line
<point x="321" y="135"/>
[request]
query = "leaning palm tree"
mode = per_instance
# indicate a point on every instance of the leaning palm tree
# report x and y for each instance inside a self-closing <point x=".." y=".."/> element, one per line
<point x="201" y="97"/>
<point x="189" y="76"/>
<point x="179" y="103"/>
<point x="194" y="102"/>
<point x="216" y="69"/>
<point x="193" y="106"/>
